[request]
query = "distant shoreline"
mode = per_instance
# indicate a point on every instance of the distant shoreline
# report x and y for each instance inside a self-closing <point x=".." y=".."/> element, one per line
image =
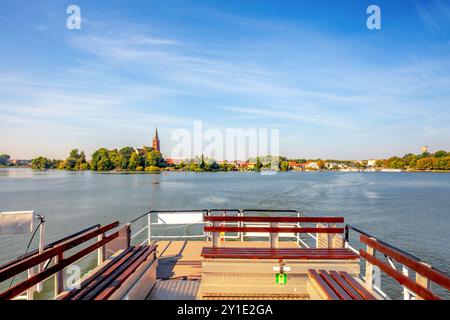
<point x="246" y="171"/>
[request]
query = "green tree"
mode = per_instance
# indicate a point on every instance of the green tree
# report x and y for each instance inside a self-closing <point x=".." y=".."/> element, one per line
<point x="76" y="161"/>
<point x="284" y="166"/>
<point x="426" y="164"/>
<point x="101" y="160"/>
<point x="116" y="158"/>
<point x="82" y="164"/>
<point x="394" y="163"/>
<point x="441" y="154"/>
<point x="258" y="164"/>
<point x="180" y="166"/>
<point x="442" y="163"/>
<point x="71" y="164"/>
<point x="193" y="166"/>
<point x="410" y="160"/>
<point x="379" y="163"/>
<point x="152" y="169"/>
<point x="154" y="158"/>
<point x="4" y="159"/>
<point x="40" y="163"/>
<point x="134" y="161"/>
<point x="126" y="154"/>
<point x="202" y="164"/>
<point x="214" y="166"/>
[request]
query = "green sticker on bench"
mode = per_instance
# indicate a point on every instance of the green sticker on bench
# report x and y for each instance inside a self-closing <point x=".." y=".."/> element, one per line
<point x="281" y="278"/>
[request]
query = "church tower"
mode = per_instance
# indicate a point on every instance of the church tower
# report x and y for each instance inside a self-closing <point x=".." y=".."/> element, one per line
<point x="155" y="143"/>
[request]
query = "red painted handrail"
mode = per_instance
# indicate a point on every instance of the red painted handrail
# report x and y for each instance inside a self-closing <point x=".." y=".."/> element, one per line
<point x="274" y="230"/>
<point x="426" y="271"/>
<point x="400" y="277"/>
<point x="32" y="261"/>
<point x="274" y="219"/>
<point x="27" y="284"/>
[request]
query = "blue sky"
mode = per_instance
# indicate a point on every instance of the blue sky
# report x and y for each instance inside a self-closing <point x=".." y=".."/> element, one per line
<point x="312" y="69"/>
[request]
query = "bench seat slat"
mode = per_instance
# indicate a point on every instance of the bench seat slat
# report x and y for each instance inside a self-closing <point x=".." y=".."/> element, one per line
<point x="288" y="253"/>
<point x="357" y="286"/>
<point x="331" y="295"/>
<point x="99" y="276"/>
<point x="114" y="285"/>
<point x="107" y="280"/>
<point x="334" y="285"/>
<point x="346" y="286"/>
<point x="111" y="277"/>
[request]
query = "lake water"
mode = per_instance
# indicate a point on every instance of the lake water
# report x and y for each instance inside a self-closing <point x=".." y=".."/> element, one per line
<point x="408" y="210"/>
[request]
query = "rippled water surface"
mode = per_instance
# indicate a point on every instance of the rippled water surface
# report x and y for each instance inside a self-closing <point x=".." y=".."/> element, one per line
<point x="409" y="210"/>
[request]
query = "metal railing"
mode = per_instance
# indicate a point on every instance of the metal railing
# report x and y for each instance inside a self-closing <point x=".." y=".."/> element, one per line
<point x="400" y="267"/>
<point x="310" y="241"/>
<point x="149" y="223"/>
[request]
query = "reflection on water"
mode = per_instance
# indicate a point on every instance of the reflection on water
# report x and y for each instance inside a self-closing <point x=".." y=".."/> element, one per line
<point x="410" y="210"/>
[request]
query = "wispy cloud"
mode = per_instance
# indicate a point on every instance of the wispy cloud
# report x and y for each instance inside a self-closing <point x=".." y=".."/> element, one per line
<point x="435" y="15"/>
<point x="294" y="116"/>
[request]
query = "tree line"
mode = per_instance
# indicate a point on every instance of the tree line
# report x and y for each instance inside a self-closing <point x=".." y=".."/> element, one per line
<point x="150" y="160"/>
<point x="125" y="159"/>
<point x="439" y="160"/>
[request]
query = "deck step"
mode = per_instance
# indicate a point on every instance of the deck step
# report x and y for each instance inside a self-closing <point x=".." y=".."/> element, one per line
<point x="175" y="290"/>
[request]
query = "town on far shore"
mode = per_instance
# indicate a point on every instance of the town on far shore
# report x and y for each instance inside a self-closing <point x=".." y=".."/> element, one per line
<point x="150" y="160"/>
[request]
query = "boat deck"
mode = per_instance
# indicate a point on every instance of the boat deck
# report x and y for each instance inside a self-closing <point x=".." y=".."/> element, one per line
<point x="181" y="260"/>
<point x="179" y="269"/>
<point x="175" y="290"/>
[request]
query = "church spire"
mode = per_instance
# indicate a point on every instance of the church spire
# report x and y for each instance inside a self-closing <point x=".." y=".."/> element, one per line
<point x="155" y="143"/>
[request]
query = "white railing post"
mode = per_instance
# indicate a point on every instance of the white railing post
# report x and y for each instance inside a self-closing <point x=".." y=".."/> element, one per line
<point x="330" y="236"/>
<point x="241" y="224"/>
<point x="273" y="236"/>
<point x="149" y="223"/>
<point x="423" y="281"/>
<point x="59" y="276"/>
<point x="318" y="237"/>
<point x="406" y="295"/>
<point x="216" y="236"/>
<point x="30" y="292"/>
<point x="369" y="269"/>
<point x="41" y="249"/>
<point x="37" y="269"/>
<point x="101" y="250"/>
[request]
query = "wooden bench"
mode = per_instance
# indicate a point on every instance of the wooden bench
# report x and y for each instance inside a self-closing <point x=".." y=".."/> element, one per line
<point x="105" y="282"/>
<point x="333" y="285"/>
<point x="246" y="270"/>
<point x="274" y="230"/>
<point x="273" y="227"/>
<point x="278" y="254"/>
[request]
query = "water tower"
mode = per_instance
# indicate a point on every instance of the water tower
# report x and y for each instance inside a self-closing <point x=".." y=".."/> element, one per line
<point x="424" y="149"/>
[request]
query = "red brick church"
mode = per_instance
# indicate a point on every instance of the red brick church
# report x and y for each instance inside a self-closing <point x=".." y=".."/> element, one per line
<point x="155" y="145"/>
